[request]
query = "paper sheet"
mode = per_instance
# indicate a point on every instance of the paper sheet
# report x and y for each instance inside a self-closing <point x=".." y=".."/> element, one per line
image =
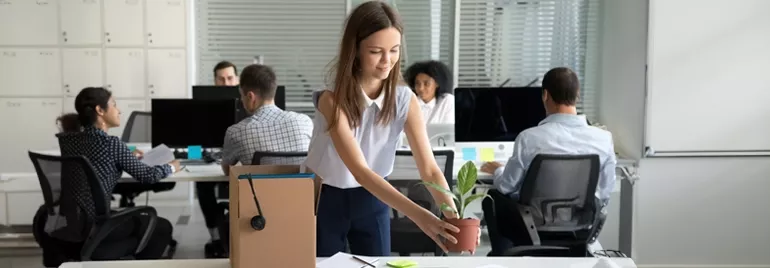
<point x="160" y="155"/>
<point x="344" y="260"/>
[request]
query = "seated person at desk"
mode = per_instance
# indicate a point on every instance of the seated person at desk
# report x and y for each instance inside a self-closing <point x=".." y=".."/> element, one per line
<point x="85" y="134"/>
<point x="432" y="82"/>
<point x="563" y="131"/>
<point x="268" y="129"/>
<point x="225" y="74"/>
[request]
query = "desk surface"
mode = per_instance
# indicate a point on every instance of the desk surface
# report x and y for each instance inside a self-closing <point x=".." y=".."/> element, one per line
<point x="437" y="262"/>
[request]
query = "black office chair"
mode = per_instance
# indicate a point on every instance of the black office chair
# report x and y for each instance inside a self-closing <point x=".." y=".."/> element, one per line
<point x="56" y="227"/>
<point x="138" y="130"/>
<point x="405" y="237"/>
<point x="272" y="158"/>
<point x="558" y="206"/>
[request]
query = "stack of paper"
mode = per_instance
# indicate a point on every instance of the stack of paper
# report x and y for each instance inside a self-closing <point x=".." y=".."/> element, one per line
<point x="160" y="155"/>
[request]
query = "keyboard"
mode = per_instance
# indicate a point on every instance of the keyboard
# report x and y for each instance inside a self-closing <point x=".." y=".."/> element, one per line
<point x="192" y="162"/>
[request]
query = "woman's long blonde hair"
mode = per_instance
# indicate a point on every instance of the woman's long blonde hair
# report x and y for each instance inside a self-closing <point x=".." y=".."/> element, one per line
<point x="366" y="19"/>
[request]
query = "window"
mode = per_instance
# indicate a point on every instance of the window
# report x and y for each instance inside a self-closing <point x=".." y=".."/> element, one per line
<point x="298" y="38"/>
<point x="516" y="42"/>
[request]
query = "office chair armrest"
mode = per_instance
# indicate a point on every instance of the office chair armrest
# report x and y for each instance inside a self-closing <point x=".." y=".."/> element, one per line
<point x="597" y="226"/>
<point x="536" y="251"/>
<point x="105" y="226"/>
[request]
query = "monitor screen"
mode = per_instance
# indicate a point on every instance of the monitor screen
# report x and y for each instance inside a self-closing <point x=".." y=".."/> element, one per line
<point x="232" y="92"/>
<point x="179" y="123"/>
<point x="496" y="114"/>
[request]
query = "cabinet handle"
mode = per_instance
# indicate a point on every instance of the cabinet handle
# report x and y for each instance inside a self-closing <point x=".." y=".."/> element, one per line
<point x="64" y="33"/>
<point x="109" y="86"/>
<point x="13" y="104"/>
<point x="106" y="33"/>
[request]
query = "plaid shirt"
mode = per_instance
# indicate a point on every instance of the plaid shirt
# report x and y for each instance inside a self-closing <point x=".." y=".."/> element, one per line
<point x="270" y="129"/>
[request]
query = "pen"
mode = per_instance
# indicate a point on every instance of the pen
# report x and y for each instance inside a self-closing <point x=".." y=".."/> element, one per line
<point x="364" y="261"/>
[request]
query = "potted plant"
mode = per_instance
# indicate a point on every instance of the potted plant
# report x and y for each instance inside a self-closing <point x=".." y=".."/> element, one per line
<point x="462" y="196"/>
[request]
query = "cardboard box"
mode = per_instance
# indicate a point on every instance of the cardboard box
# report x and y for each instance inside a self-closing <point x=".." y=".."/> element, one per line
<point x="289" y="201"/>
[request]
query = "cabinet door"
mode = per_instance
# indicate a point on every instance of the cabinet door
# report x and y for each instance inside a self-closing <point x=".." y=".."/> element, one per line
<point x="28" y="22"/>
<point x="30" y="72"/>
<point x="82" y="68"/>
<point x="124" y="22"/>
<point x="81" y="22"/>
<point x="126" y="107"/>
<point x="125" y="72"/>
<point x="167" y="73"/>
<point x="28" y="124"/>
<point x="166" y="23"/>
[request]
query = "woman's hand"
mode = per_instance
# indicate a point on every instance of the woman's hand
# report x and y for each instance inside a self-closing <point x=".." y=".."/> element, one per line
<point x="138" y="153"/>
<point x="435" y="228"/>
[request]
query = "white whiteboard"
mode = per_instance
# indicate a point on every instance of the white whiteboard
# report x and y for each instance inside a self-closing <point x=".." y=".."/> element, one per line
<point x="708" y="77"/>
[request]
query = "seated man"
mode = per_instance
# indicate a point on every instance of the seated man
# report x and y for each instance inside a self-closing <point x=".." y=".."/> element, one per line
<point x="269" y="129"/>
<point x="563" y="131"/>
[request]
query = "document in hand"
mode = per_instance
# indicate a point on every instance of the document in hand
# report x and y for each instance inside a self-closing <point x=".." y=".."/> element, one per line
<point x="160" y="155"/>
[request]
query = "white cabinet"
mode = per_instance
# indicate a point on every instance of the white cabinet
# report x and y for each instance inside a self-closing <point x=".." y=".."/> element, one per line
<point x="166" y="25"/>
<point x="82" y="68"/>
<point x="3" y="209"/>
<point x="124" y="22"/>
<point x="124" y="69"/>
<point x="28" y="124"/>
<point x="28" y="22"/>
<point x="30" y="72"/>
<point x="167" y="76"/>
<point x="26" y="205"/>
<point x="81" y="22"/>
<point x="126" y="107"/>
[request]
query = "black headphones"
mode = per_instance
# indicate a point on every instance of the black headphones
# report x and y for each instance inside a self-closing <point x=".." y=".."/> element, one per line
<point x="257" y="222"/>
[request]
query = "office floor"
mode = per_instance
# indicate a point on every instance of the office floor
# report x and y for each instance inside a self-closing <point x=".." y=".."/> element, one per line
<point x="189" y="231"/>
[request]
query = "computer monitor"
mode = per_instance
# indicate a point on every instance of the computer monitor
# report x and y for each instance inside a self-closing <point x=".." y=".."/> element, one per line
<point x="232" y="92"/>
<point x="179" y="123"/>
<point x="496" y="114"/>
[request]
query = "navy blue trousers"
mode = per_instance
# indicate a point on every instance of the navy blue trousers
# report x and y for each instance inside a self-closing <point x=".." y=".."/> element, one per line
<point x="352" y="217"/>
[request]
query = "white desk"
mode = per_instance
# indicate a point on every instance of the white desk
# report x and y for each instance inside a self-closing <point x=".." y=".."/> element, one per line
<point x="435" y="262"/>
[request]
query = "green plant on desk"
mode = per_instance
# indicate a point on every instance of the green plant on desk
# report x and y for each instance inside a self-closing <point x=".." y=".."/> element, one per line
<point x="463" y="195"/>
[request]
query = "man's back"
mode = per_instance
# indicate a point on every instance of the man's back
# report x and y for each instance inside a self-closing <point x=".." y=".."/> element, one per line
<point x="560" y="134"/>
<point x="270" y="129"/>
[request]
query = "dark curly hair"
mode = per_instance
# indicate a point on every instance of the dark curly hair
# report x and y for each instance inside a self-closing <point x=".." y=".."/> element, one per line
<point x="436" y="70"/>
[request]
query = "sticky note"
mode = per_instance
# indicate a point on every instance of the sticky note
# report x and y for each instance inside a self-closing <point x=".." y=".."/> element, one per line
<point x="402" y="264"/>
<point x="487" y="154"/>
<point x="469" y="154"/>
<point x="194" y="152"/>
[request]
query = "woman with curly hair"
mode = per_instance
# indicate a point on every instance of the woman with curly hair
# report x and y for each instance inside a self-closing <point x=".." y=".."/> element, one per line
<point x="432" y="82"/>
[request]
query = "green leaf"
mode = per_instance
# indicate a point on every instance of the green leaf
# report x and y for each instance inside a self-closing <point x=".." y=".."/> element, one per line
<point x="445" y="207"/>
<point x="466" y="178"/>
<point x="474" y="197"/>
<point x="440" y="189"/>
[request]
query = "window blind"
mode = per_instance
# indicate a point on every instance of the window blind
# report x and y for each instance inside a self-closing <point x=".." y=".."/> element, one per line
<point x="298" y="38"/>
<point x="519" y="41"/>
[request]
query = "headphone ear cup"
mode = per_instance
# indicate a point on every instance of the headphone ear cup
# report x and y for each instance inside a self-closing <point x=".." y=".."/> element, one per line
<point x="258" y="223"/>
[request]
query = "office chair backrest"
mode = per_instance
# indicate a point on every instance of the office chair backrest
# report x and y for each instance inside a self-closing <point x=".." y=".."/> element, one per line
<point x="559" y="191"/>
<point x="55" y="174"/>
<point x="138" y="128"/>
<point x="278" y="158"/>
<point x="412" y="188"/>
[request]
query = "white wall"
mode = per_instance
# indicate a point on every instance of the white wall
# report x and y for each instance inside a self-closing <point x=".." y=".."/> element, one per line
<point x="688" y="212"/>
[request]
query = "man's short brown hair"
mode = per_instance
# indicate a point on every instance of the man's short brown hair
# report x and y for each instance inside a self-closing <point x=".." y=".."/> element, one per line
<point x="259" y="79"/>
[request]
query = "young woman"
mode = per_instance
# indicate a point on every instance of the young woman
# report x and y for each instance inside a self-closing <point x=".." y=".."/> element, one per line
<point x="85" y="134"/>
<point x="357" y="126"/>
<point x="432" y="82"/>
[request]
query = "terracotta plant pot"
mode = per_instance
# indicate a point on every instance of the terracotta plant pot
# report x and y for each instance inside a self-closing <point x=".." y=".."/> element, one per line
<point x="467" y="237"/>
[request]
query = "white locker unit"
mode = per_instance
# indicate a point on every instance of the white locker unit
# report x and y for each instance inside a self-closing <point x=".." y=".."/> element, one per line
<point x="82" y="68"/>
<point x="124" y="22"/>
<point x="28" y="22"/>
<point x="29" y="124"/>
<point x="30" y="72"/>
<point x="23" y="215"/>
<point x="81" y="22"/>
<point x="126" y="107"/>
<point x="125" y="73"/>
<point x="167" y="73"/>
<point x="166" y="25"/>
<point x="3" y="209"/>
